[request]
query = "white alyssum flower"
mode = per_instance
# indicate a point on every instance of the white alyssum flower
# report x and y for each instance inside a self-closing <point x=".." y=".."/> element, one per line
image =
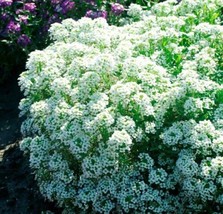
<point x="129" y="119"/>
<point x="135" y="11"/>
<point x="120" y="141"/>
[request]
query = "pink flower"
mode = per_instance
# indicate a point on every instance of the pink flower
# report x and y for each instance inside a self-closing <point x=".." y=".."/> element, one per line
<point x="18" y="11"/>
<point x="23" y="19"/>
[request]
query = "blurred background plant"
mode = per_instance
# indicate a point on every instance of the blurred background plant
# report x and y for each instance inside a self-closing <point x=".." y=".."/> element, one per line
<point x="24" y="24"/>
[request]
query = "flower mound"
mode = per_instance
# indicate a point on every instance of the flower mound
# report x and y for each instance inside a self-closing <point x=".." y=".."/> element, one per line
<point x="129" y="119"/>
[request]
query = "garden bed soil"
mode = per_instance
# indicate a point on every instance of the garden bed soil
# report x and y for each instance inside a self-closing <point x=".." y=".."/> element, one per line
<point x="18" y="190"/>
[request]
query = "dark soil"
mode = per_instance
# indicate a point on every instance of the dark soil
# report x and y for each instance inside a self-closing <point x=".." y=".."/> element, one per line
<point x="19" y="193"/>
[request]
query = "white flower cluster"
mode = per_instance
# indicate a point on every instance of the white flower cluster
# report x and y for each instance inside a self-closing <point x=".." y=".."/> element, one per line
<point x="135" y="11"/>
<point x="129" y="119"/>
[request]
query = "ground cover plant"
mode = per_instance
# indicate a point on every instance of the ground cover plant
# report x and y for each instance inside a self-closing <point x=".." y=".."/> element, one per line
<point x="129" y="119"/>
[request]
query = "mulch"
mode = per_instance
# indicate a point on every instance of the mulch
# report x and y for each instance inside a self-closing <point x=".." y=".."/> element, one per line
<point x="19" y="192"/>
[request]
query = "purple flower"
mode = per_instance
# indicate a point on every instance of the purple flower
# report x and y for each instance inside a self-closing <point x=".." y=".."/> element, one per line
<point x="55" y="2"/>
<point x="5" y="3"/>
<point x="96" y="14"/>
<point x="91" y="14"/>
<point x="53" y="19"/>
<point x="13" y="27"/>
<point x="23" y="40"/>
<point x="67" y="5"/>
<point x="30" y="7"/>
<point x="102" y="14"/>
<point x="64" y="7"/>
<point x="4" y="16"/>
<point x="117" y="9"/>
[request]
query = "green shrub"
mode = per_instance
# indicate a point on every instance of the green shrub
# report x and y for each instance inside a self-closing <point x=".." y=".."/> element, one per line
<point x="129" y="119"/>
